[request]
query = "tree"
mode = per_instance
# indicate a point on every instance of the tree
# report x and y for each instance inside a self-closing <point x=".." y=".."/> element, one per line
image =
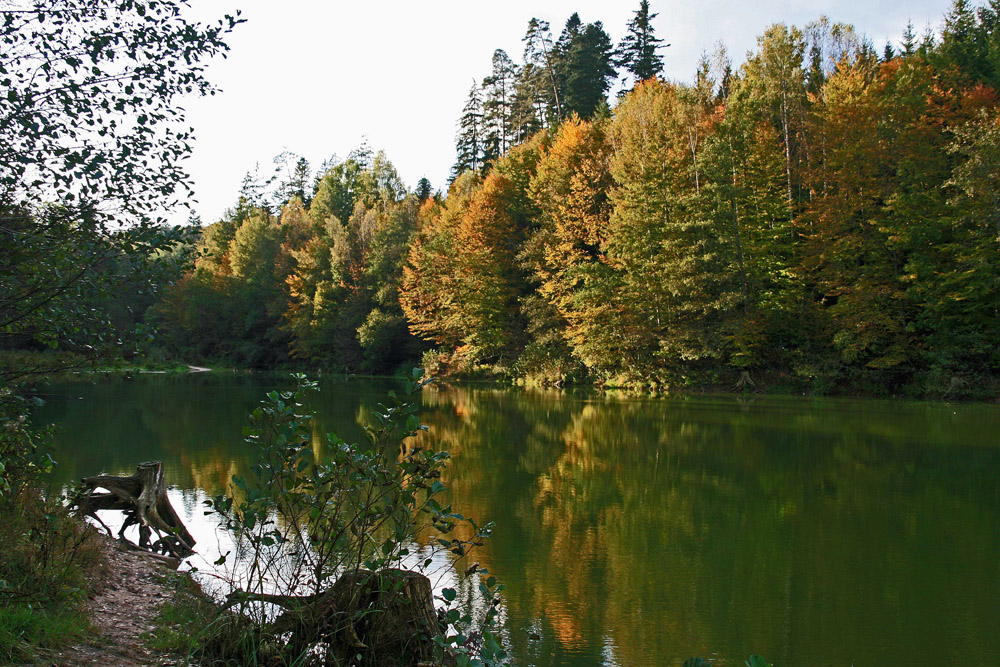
<point x="469" y="143"/>
<point x="337" y="191"/>
<point x="428" y="293"/>
<point x="637" y="50"/>
<point x="538" y="54"/>
<point x="662" y="241"/>
<point x="776" y="82"/>
<point x="587" y="66"/>
<point x="959" y="43"/>
<point x="567" y="254"/>
<point x="90" y="123"/>
<point x="498" y="103"/>
<point x="424" y="190"/>
<point x="294" y="172"/>
<point x="909" y="40"/>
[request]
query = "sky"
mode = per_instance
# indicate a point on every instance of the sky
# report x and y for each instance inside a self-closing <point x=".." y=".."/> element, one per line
<point x="319" y="78"/>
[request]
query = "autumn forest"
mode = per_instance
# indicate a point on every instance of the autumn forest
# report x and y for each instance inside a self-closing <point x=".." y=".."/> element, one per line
<point x="822" y="217"/>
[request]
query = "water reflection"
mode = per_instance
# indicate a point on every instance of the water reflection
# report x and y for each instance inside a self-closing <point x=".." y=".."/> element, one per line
<point x="643" y="532"/>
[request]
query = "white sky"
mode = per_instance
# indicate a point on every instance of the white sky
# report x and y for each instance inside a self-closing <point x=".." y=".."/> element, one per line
<point x="316" y="78"/>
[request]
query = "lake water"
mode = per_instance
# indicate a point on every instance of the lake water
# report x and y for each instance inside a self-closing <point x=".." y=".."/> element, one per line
<point x="642" y="532"/>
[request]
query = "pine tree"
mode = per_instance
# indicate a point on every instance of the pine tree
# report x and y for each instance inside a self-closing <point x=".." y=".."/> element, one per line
<point x="529" y="108"/>
<point x="959" y="43"/>
<point x="637" y="50"/>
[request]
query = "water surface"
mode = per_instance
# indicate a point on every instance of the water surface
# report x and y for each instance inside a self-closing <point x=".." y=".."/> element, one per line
<point x="643" y="532"/>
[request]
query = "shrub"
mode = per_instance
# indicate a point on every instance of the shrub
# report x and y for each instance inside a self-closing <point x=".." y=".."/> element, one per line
<point x="306" y="522"/>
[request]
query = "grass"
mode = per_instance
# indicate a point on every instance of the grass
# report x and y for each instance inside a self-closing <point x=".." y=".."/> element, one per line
<point x="48" y="565"/>
<point x="26" y="630"/>
<point x="192" y="625"/>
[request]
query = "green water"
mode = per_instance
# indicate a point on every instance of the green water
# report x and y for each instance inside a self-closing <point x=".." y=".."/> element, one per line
<point x="643" y="532"/>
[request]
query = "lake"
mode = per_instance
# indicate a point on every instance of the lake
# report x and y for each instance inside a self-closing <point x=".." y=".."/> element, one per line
<point x="641" y="532"/>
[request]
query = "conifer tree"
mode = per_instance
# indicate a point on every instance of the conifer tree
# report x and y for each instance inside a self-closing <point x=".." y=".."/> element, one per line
<point x="424" y="190"/>
<point x="469" y="145"/>
<point x="498" y="104"/>
<point x="587" y="68"/>
<point x="538" y="53"/>
<point x="637" y="50"/>
<point x="909" y="40"/>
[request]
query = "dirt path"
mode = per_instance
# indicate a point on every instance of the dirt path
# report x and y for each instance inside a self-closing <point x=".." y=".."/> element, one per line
<point x="126" y="606"/>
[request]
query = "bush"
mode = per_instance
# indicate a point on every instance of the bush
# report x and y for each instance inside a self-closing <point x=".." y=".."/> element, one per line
<point x="24" y="451"/>
<point x="307" y="522"/>
<point x="48" y="564"/>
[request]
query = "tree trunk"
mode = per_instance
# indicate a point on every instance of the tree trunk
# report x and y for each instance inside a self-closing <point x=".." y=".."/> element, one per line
<point x="386" y="618"/>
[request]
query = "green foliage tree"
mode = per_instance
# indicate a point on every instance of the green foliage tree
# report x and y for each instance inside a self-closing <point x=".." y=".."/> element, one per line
<point x="662" y="240"/>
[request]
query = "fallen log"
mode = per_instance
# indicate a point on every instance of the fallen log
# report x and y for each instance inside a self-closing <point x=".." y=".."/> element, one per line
<point x="142" y="496"/>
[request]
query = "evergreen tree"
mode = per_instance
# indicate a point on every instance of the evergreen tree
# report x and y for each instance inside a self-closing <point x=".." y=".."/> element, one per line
<point x="909" y="40"/>
<point x="637" y="50"/>
<point x="538" y="54"/>
<point x="959" y="40"/>
<point x="587" y="67"/>
<point x="424" y="190"/>
<point x="469" y="145"/>
<point x="498" y="104"/>
<point x="294" y="174"/>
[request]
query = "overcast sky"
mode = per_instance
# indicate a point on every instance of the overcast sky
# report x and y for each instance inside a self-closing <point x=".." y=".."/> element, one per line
<point x="317" y="78"/>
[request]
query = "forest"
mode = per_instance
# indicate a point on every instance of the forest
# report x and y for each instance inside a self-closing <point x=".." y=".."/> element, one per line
<point x="821" y="217"/>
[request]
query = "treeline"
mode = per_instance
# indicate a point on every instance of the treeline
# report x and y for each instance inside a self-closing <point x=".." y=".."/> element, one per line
<point x="302" y="272"/>
<point x="558" y="79"/>
<point x="821" y="216"/>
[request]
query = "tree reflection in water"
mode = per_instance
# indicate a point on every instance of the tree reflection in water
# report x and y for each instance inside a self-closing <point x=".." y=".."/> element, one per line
<point x="642" y="532"/>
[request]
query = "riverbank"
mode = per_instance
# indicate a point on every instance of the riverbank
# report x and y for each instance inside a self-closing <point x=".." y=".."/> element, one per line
<point x="123" y="610"/>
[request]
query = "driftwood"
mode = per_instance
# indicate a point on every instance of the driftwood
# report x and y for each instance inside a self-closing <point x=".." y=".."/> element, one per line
<point x="143" y="498"/>
<point x="386" y="617"/>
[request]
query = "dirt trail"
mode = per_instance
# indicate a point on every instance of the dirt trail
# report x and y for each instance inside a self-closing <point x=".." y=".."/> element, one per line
<point x="125" y="607"/>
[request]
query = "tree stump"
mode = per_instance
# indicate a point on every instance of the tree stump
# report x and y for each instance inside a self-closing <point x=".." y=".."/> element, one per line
<point x="143" y="498"/>
<point x="386" y="617"/>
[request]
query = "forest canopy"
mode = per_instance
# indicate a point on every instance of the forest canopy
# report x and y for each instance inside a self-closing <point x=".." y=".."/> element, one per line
<point x="824" y="216"/>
